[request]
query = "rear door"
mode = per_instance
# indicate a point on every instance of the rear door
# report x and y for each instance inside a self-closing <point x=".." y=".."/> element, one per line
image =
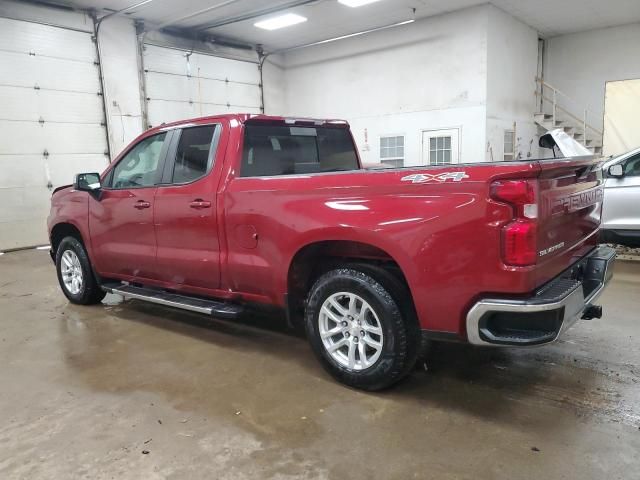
<point x="186" y="228"/>
<point x="570" y="207"/>
<point x="121" y="220"/>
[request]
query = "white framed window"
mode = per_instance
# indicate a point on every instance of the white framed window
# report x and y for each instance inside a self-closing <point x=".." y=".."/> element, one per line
<point x="440" y="150"/>
<point x="392" y="150"/>
<point x="441" y="147"/>
<point x="509" y="145"/>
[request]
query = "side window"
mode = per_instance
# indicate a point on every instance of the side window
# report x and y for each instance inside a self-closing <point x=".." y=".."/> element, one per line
<point x="632" y="167"/>
<point x="139" y="167"/>
<point x="392" y="151"/>
<point x="193" y="154"/>
<point x="509" y="145"/>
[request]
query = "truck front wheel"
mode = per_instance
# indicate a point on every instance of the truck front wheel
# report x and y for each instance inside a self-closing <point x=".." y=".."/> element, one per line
<point x="75" y="274"/>
<point x="357" y="330"/>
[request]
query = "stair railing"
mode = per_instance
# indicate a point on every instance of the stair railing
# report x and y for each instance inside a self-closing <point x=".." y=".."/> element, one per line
<point x="541" y="93"/>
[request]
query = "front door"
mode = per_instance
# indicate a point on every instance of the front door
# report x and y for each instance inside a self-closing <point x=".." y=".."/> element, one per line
<point x="186" y="228"/>
<point x="441" y="147"/>
<point x="121" y="220"/>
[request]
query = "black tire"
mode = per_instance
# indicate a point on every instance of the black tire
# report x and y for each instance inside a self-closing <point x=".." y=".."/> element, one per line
<point x="90" y="292"/>
<point x="387" y="297"/>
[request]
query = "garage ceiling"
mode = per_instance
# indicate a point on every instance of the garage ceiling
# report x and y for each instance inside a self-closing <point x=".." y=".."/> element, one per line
<point x="327" y="18"/>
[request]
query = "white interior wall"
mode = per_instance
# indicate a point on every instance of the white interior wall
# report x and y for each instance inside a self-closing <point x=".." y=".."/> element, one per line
<point x="512" y="57"/>
<point x="427" y="75"/>
<point x="580" y="64"/>
<point x="119" y="55"/>
<point x="621" y="133"/>
<point x="273" y="78"/>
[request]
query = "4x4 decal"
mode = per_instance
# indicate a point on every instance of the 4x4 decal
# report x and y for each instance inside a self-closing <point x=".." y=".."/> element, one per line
<point x="440" y="177"/>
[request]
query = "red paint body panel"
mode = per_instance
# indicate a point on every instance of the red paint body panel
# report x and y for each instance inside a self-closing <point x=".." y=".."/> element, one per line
<point x="123" y="236"/>
<point x="444" y="235"/>
<point x="186" y="224"/>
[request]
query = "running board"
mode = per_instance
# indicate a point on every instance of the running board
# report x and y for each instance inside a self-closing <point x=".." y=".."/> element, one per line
<point x="161" y="297"/>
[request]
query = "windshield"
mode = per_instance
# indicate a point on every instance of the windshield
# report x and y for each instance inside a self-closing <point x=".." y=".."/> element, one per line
<point x="288" y="150"/>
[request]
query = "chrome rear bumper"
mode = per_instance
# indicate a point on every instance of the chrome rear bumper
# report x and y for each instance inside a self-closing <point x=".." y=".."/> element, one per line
<point x="543" y="317"/>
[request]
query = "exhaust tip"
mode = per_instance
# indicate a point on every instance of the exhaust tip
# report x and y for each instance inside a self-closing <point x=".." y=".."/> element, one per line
<point x="591" y="312"/>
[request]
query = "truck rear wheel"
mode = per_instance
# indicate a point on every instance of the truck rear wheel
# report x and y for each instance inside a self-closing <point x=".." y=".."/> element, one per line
<point x="358" y="331"/>
<point x="75" y="274"/>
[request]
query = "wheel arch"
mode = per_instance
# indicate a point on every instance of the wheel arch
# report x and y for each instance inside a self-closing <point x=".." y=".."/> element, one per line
<point x="62" y="230"/>
<point x="317" y="257"/>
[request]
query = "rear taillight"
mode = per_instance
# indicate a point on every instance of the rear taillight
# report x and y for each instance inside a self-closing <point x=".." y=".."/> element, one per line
<point x="519" y="243"/>
<point x="519" y="237"/>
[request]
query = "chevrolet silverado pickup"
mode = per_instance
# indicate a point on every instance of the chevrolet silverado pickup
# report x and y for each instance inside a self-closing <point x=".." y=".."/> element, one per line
<point x="218" y="214"/>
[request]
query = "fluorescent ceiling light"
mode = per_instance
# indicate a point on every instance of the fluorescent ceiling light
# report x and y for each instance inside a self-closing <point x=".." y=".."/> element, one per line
<point x="356" y="3"/>
<point x="280" y="21"/>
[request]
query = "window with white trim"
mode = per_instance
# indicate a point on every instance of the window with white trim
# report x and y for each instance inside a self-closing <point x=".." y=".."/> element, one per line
<point x="509" y="145"/>
<point x="440" y="150"/>
<point x="392" y="151"/>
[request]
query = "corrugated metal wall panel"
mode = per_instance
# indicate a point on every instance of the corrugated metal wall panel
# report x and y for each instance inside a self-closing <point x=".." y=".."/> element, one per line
<point x="25" y="200"/>
<point x="27" y="104"/>
<point x="201" y="90"/>
<point x="44" y="40"/>
<point x="54" y="168"/>
<point x="181" y="84"/>
<point x="44" y="72"/>
<point x="180" y="110"/>
<point x="51" y="122"/>
<point x="20" y="138"/>
<point x="181" y="62"/>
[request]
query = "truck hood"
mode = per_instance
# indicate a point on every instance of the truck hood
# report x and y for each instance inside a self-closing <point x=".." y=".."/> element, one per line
<point x="57" y="189"/>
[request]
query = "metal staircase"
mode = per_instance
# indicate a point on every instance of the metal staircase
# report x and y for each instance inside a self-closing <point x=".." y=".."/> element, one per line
<point x="555" y="111"/>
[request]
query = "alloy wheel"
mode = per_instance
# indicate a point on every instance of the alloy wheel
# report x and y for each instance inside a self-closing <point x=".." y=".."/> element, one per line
<point x="350" y="331"/>
<point x="71" y="271"/>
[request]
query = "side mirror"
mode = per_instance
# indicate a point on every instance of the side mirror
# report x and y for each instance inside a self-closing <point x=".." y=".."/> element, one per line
<point x="87" y="182"/>
<point x="616" y="171"/>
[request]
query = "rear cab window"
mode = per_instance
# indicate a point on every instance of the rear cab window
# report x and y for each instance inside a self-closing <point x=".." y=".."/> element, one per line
<point x="270" y="150"/>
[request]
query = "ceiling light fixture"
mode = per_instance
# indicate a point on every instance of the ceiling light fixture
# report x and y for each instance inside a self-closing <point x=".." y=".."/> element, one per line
<point x="280" y="21"/>
<point x="356" y="3"/>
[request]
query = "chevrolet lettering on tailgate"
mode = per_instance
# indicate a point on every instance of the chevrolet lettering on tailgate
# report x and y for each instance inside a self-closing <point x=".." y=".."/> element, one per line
<point x="578" y="201"/>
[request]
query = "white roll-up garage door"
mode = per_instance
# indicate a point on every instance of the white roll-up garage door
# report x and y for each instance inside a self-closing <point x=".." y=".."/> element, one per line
<point x="181" y="84"/>
<point x="51" y="122"/>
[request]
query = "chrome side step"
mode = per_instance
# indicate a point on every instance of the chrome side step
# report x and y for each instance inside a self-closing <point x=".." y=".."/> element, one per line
<point x="185" y="302"/>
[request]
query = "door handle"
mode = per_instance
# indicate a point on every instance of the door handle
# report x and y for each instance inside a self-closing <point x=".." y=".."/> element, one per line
<point x="140" y="204"/>
<point x="199" y="203"/>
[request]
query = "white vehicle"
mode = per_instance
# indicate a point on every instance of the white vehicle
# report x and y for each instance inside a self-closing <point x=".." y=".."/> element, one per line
<point x="621" y="207"/>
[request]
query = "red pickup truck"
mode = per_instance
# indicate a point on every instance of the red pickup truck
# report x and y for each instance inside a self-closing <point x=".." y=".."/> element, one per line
<point x="215" y="214"/>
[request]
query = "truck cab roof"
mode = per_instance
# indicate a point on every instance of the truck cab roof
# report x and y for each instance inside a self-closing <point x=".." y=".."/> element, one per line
<point x="252" y="118"/>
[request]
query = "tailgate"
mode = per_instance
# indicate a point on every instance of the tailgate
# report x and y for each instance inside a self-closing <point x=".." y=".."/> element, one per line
<point x="570" y="205"/>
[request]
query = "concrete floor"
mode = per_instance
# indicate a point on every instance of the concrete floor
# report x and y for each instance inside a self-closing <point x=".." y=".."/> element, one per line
<point x="86" y="391"/>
